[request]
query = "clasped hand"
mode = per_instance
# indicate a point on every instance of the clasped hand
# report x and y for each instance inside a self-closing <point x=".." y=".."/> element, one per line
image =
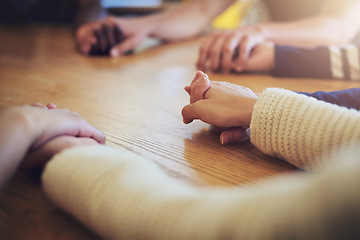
<point x="224" y="105"/>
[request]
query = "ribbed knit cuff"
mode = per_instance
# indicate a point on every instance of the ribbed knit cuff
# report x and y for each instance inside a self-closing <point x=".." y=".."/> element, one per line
<point x="301" y="129"/>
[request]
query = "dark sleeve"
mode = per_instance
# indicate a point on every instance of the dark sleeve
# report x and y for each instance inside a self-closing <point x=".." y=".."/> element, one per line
<point x="349" y="98"/>
<point x="320" y="62"/>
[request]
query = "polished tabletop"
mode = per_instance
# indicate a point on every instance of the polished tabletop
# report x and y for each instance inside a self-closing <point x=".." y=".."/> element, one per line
<point x="136" y="100"/>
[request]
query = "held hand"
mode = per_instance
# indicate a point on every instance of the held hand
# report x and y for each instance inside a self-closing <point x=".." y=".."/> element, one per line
<point x="37" y="158"/>
<point x="49" y="122"/>
<point x="228" y="51"/>
<point x="199" y="85"/>
<point x="262" y="58"/>
<point x="229" y="135"/>
<point x="112" y="35"/>
<point x="27" y="129"/>
<point x="224" y="105"/>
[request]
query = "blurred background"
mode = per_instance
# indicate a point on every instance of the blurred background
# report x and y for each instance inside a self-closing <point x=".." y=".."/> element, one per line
<point x="66" y="11"/>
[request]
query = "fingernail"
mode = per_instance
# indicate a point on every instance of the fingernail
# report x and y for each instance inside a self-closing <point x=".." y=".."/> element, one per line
<point x="224" y="139"/>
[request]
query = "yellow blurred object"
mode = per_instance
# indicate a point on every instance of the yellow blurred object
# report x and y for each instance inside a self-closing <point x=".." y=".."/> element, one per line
<point x="233" y="16"/>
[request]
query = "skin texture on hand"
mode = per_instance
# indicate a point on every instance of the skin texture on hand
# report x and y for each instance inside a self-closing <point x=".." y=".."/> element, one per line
<point x="28" y="129"/>
<point x="48" y="123"/>
<point x="228" y="50"/>
<point x="38" y="157"/>
<point x="261" y="59"/>
<point x="224" y="105"/>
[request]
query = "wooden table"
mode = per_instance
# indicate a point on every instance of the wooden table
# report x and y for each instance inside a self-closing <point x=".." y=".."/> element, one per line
<point x="136" y="100"/>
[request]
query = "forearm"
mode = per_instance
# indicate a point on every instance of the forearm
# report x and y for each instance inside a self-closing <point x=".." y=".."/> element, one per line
<point x="120" y="195"/>
<point x="300" y="129"/>
<point x="349" y="98"/>
<point x="319" y="62"/>
<point x="187" y="20"/>
<point x="309" y="32"/>
<point x="336" y="24"/>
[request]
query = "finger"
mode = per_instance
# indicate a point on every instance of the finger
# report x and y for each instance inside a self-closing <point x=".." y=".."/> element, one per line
<point x="189" y="113"/>
<point x="199" y="87"/>
<point x="127" y="45"/>
<point x="204" y="51"/>
<point x="101" y="39"/>
<point x="216" y="53"/>
<point x="51" y="106"/>
<point x="244" y="52"/>
<point x="119" y="35"/>
<point x="99" y="136"/>
<point x="95" y="48"/>
<point x="39" y="105"/>
<point x="80" y="127"/>
<point x="86" y="38"/>
<point x="91" y="132"/>
<point x="229" y="50"/>
<point x="85" y="48"/>
<point x="109" y="36"/>
<point x="193" y="83"/>
<point x="233" y="135"/>
<point x="82" y="38"/>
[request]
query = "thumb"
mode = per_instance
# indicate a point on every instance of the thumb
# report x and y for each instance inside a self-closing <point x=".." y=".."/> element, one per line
<point x="189" y="113"/>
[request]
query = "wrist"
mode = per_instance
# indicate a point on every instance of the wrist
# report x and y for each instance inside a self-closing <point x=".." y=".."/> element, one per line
<point x="252" y="103"/>
<point x="245" y="108"/>
<point x="272" y="53"/>
<point x="20" y="123"/>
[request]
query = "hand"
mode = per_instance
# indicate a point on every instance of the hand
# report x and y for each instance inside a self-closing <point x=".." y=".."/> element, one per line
<point x="98" y="37"/>
<point x="112" y="35"/>
<point x="48" y="122"/>
<point x="262" y="58"/>
<point x="229" y="50"/>
<point x="224" y="105"/>
<point x="27" y="129"/>
<point x="38" y="157"/>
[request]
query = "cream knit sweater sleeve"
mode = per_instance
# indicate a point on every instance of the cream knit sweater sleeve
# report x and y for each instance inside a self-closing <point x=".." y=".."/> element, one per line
<point x="301" y="129"/>
<point x="121" y="195"/>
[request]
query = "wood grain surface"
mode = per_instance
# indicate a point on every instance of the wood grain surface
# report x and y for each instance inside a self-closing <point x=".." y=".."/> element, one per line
<point x="136" y="100"/>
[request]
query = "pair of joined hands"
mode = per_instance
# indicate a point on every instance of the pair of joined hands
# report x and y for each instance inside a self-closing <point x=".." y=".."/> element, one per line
<point x="227" y="107"/>
<point x="111" y="36"/>
<point x="243" y="49"/>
